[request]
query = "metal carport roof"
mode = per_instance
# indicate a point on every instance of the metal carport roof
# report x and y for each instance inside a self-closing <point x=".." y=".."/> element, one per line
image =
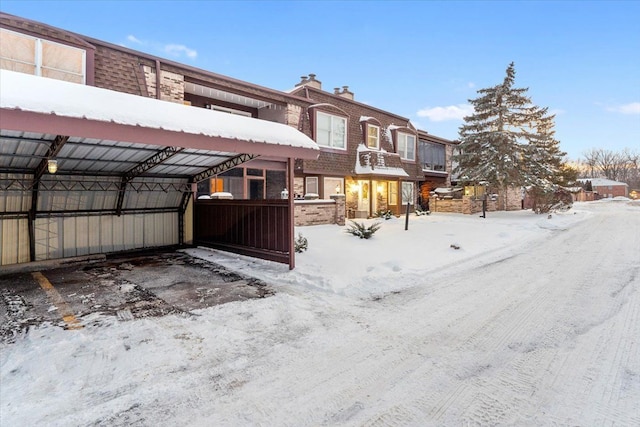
<point x="118" y="152"/>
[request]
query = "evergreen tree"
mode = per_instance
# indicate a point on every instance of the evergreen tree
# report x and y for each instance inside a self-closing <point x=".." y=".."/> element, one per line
<point x="508" y="141"/>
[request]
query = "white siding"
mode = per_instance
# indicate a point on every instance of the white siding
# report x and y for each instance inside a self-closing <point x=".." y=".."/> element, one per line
<point x="85" y="235"/>
<point x="14" y="241"/>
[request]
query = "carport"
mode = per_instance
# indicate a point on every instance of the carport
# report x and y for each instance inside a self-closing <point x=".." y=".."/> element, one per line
<point x="85" y="170"/>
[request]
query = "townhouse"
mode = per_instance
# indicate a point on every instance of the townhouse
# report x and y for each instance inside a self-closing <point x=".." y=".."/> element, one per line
<point x="365" y="160"/>
<point x="377" y="159"/>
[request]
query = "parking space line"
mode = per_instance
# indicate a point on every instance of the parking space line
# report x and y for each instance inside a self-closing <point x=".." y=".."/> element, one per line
<point x="55" y="297"/>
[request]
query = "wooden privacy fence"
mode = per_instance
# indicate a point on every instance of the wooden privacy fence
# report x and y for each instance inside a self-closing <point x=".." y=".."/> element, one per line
<point x="258" y="228"/>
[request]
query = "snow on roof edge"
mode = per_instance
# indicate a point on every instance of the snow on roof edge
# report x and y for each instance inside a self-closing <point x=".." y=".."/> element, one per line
<point x="43" y="95"/>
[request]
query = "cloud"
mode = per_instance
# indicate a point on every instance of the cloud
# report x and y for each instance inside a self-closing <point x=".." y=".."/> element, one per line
<point x="179" y="50"/>
<point x="631" y="108"/>
<point x="171" y="49"/>
<point x="451" y="112"/>
<point x="134" y="39"/>
<point x="471" y="85"/>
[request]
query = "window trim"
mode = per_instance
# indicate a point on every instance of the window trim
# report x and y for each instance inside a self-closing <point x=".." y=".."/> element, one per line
<point x="332" y="117"/>
<point x="392" y="193"/>
<point x="403" y="154"/>
<point x="427" y="147"/>
<point x="377" y="136"/>
<point x="330" y="189"/>
<point x="307" y="179"/>
<point x="403" y="185"/>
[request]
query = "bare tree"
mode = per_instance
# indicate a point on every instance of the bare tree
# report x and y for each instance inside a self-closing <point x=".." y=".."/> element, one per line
<point x="621" y="166"/>
<point x="591" y="160"/>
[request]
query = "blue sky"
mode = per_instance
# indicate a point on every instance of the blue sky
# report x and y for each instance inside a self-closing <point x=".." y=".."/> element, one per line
<point x="420" y="59"/>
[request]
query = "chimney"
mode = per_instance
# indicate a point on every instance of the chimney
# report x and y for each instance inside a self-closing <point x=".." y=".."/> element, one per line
<point x="345" y="92"/>
<point x="310" y="81"/>
<point x="303" y="81"/>
<point x="313" y="82"/>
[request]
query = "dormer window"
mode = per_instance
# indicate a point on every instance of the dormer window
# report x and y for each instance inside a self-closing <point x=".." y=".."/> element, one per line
<point x="373" y="136"/>
<point x="331" y="131"/>
<point x="406" y="146"/>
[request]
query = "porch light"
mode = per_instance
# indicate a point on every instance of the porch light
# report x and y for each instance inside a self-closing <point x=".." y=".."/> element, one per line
<point x="338" y="189"/>
<point x="284" y="194"/>
<point x="52" y="166"/>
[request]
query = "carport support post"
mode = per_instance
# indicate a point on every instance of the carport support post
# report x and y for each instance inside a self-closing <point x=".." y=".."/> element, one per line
<point x="292" y="213"/>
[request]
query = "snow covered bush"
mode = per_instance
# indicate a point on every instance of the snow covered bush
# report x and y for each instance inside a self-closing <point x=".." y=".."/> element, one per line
<point x="301" y="244"/>
<point x="419" y="211"/>
<point x="548" y="199"/>
<point x="385" y="214"/>
<point x="361" y="230"/>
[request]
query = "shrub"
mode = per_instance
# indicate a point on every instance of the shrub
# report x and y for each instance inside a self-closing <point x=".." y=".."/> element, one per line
<point x="385" y="214"/>
<point x="550" y="199"/>
<point x="362" y="231"/>
<point x="419" y="211"/>
<point x="301" y="243"/>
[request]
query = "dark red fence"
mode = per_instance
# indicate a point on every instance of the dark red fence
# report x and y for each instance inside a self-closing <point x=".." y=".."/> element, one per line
<point x="258" y="228"/>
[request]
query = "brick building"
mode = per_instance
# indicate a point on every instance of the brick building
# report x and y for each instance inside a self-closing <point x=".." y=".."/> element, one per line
<point x="375" y="158"/>
<point x="607" y="188"/>
<point x="378" y="159"/>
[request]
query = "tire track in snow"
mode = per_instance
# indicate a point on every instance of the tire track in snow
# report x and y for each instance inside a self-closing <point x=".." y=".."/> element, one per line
<point x="522" y="377"/>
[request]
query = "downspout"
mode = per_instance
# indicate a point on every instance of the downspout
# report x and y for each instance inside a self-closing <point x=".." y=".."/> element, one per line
<point x="158" y="92"/>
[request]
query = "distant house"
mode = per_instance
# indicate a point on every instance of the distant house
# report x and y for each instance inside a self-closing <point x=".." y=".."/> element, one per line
<point x="606" y="188"/>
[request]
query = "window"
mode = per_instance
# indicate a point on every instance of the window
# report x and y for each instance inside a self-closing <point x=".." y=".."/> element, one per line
<point x="311" y="185"/>
<point x="407" y="146"/>
<point x="26" y="54"/>
<point x="332" y="186"/>
<point x="407" y="193"/>
<point x="331" y="131"/>
<point x="432" y="156"/>
<point x="373" y="136"/>
<point x="393" y="193"/>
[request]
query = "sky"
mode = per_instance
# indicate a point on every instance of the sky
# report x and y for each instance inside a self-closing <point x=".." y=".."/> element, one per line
<point x="413" y="332"/>
<point x="422" y="60"/>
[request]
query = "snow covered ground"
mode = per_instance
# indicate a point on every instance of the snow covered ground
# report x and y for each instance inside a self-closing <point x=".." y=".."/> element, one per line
<point x="532" y="321"/>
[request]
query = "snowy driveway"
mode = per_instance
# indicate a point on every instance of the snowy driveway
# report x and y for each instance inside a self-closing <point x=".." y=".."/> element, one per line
<point x="531" y="322"/>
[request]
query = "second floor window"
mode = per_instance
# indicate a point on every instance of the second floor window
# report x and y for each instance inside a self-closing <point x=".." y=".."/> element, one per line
<point x="432" y="156"/>
<point x="406" y="146"/>
<point x="31" y="55"/>
<point x="331" y="131"/>
<point x="373" y="136"/>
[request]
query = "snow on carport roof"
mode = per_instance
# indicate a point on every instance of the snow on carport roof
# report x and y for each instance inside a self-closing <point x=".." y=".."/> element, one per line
<point x="38" y="104"/>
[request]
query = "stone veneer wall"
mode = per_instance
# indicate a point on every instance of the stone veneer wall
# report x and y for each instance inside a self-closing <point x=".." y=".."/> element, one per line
<point x="171" y="85"/>
<point x="298" y="186"/>
<point x="466" y="205"/>
<point x="317" y="212"/>
<point x="293" y="115"/>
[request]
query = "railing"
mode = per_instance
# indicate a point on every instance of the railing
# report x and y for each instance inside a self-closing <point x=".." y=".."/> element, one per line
<point x="258" y="228"/>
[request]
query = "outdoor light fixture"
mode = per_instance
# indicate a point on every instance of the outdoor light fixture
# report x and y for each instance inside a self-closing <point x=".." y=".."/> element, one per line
<point x="338" y="189"/>
<point x="52" y="166"/>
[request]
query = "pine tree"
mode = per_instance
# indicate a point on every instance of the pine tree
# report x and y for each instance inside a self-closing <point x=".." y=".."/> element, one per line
<point x="508" y="141"/>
